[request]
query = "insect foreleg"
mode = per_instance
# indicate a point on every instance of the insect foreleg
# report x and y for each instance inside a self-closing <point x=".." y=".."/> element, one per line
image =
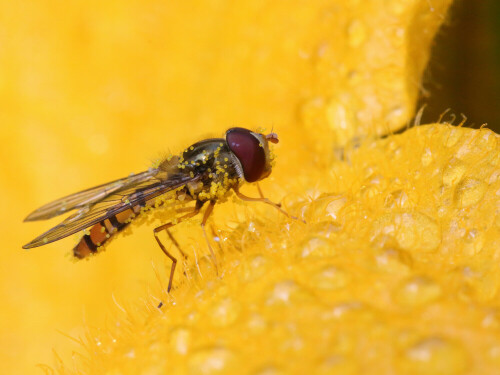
<point x="265" y="200"/>
<point x="262" y="194"/>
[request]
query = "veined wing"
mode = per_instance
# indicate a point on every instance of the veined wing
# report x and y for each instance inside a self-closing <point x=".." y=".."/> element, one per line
<point x="134" y="194"/>
<point x="88" y="197"/>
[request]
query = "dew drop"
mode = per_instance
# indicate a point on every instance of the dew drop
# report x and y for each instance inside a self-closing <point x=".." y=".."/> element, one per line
<point x="257" y="324"/>
<point x="473" y="242"/>
<point x="488" y="141"/>
<point x="369" y="192"/>
<point x="180" y="340"/>
<point x="213" y="360"/>
<point x="282" y="291"/>
<point x="354" y="310"/>
<point x="491" y="320"/>
<point x="251" y="227"/>
<point x="333" y="208"/>
<point x="316" y="246"/>
<point x="329" y="278"/>
<point x="224" y="312"/>
<point x="286" y="293"/>
<point x="255" y="268"/>
<point x="397" y="199"/>
<point x="325" y="207"/>
<point x="427" y="157"/>
<point x="434" y="356"/>
<point x="469" y="192"/>
<point x="494" y="177"/>
<point x="453" y="172"/>
<point x="452" y="137"/>
<point x="130" y="353"/>
<point x="412" y="231"/>
<point x="394" y="116"/>
<point x="396" y="262"/>
<point x="417" y="291"/>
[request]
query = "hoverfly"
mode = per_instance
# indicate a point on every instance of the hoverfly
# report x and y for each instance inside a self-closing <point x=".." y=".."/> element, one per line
<point x="205" y="172"/>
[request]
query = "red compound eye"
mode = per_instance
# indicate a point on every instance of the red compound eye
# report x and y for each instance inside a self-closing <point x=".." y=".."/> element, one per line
<point x="249" y="152"/>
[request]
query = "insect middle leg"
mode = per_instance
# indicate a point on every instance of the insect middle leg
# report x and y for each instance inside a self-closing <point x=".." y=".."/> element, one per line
<point x="166" y="227"/>
<point x="206" y="215"/>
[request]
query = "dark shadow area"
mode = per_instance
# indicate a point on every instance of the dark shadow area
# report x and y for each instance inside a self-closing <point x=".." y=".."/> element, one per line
<point x="464" y="71"/>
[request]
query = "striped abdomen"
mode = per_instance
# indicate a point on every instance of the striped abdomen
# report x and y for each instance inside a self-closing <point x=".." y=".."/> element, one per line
<point x="103" y="231"/>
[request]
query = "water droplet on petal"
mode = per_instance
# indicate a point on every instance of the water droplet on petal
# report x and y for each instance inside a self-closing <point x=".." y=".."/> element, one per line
<point x="417" y="291"/>
<point x="491" y="320"/>
<point x="255" y="267"/>
<point x="427" y="157"/>
<point x="474" y="240"/>
<point x="469" y="192"/>
<point x="350" y="311"/>
<point x="257" y="324"/>
<point x="453" y="172"/>
<point x="316" y="246"/>
<point x="180" y="340"/>
<point x="214" y="360"/>
<point x="396" y="262"/>
<point x="224" y="312"/>
<point x="434" y="356"/>
<point x="329" y="278"/>
<point x="286" y="293"/>
<point x="412" y="231"/>
<point x="452" y="137"/>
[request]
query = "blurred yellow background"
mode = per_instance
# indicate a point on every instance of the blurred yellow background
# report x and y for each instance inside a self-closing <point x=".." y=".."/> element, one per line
<point x="92" y="91"/>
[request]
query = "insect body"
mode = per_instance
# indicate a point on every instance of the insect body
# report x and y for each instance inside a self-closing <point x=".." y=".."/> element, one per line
<point x="205" y="172"/>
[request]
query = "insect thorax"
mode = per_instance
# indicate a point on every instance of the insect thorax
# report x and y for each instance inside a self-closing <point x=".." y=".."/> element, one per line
<point x="214" y="169"/>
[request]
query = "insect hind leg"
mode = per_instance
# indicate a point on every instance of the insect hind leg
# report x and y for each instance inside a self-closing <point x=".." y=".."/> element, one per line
<point x="167" y="253"/>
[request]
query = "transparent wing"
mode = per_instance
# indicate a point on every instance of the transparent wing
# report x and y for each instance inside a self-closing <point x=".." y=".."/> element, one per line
<point x="91" y="214"/>
<point x="88" y="197"/>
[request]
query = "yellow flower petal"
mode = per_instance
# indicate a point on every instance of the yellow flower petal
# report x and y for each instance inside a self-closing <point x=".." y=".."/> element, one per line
<point x="396" y="268"/>
<point x="403" y="277"/>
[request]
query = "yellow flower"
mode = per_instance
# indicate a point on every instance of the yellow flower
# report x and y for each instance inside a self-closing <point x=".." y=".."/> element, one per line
<point x="396" y="269"/>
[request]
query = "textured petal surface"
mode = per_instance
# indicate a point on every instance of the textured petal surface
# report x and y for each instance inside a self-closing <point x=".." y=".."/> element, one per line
<point x="396" y="269"/>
